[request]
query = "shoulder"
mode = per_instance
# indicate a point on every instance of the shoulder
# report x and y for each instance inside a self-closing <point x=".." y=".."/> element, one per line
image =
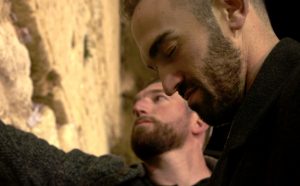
<point x="112" y="170"/>
<point x="136" y="177"/>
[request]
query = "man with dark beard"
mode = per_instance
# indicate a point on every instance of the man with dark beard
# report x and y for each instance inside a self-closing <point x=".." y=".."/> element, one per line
<point x="225" y="59"/>
<point x="169" y="137"/>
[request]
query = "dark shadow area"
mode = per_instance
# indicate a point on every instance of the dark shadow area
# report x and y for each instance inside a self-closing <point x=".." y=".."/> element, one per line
<point x="284" y="17"/>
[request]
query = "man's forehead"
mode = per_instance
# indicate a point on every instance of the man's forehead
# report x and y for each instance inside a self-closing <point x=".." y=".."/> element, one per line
<point x="151" y="89"/>
<point x="147" y="24"/>
<point x="154" y="21"/>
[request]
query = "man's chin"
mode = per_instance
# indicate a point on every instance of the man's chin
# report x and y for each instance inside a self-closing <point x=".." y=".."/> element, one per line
<point x="143" y="130"/>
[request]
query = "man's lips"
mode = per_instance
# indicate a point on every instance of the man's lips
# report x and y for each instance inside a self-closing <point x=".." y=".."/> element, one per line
<point x="142" y="121"/>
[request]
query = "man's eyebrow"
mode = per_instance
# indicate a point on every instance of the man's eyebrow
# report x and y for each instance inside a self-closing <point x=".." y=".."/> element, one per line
<point x="154" y="91"/>
<point x="155" y="46"/>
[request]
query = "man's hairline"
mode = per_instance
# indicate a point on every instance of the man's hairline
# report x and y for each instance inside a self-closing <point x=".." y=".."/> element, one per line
<point x="137" y="97"/>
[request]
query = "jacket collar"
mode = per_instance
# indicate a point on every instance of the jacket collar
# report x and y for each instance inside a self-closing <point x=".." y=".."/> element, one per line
<point x="265" y="89"/>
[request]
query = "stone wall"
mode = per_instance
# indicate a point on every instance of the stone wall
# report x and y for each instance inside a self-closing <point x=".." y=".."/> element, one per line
<point x="60" y="69"/>
<point x="135" y="75"/>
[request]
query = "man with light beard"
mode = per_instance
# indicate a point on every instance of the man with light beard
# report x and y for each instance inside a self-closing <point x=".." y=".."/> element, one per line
<point x="169" y="137"/>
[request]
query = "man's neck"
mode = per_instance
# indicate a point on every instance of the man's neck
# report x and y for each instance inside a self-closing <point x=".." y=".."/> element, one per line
<point x="177" y="167"/>
<point x="258" y="41"/>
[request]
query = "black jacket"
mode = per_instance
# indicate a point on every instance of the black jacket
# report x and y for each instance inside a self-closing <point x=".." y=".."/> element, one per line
<point x="263" y="144"/>
<point x="143" y="179"/>
<point x="26" y="160"/>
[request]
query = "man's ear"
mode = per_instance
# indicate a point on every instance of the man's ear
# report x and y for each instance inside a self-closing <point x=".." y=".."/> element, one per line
<point x="236" y="11"/>
<point x="199" y="126"/>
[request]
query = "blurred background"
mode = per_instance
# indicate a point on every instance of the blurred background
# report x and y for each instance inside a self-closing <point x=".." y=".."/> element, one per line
<point x="69" y="71"/>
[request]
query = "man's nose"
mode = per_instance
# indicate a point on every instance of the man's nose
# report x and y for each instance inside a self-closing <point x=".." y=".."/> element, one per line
<point x="141" y="107"/>
<point x="171" y="82"/>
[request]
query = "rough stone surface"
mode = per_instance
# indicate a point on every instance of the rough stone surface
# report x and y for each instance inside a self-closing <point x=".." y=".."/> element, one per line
<point x="135" y="76"/>
<point x="15" y="83"/>
<point x="60" y="69"/>
<point x="45" y="126"/>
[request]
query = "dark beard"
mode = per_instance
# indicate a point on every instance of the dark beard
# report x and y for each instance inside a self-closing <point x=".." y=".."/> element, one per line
<point x="149" y="143"/>
<point x="214" y="116"/>
<point x="223" y="68"/>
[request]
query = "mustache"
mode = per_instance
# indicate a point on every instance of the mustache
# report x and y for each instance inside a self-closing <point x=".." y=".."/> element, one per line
<point x="187" y="84"/>
<point x="146" y="118"/>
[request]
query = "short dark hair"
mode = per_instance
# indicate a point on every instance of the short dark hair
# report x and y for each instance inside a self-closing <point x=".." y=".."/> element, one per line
<point x="130" y="5"/>
<point x="260" y="7"/>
